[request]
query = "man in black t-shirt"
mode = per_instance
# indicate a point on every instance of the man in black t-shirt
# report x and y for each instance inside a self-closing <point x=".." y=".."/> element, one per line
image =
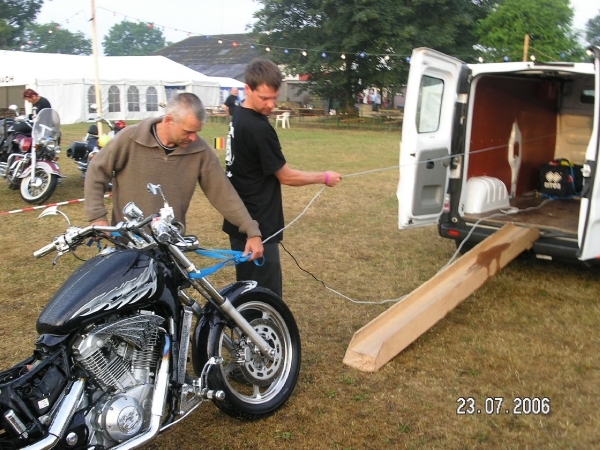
<point x="257" y="168"/>
<point x="231" y="102"/>
<point x="37" y="101"/>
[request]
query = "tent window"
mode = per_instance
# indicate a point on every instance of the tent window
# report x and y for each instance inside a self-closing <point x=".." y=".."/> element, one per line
<point x="133" y="99"/>
<point x="151" y="99"/>
<point x="91" y="99"/>
<point x="114" y="99"/>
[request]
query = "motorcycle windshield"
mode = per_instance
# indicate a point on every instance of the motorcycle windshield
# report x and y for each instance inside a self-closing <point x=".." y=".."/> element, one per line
<point x="46" y="125"/>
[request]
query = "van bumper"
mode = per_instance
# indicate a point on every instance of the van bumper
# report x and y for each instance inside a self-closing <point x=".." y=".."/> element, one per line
<point x="547" y="247"/>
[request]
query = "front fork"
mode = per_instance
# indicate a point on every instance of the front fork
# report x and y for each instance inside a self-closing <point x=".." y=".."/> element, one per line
<point x="225" y="306"/>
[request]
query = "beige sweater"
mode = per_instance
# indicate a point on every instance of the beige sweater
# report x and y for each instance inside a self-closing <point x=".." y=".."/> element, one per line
<point x="133" y="159"/>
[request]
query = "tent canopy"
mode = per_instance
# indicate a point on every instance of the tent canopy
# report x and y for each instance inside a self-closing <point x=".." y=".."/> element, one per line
<point x="131" y="87"/>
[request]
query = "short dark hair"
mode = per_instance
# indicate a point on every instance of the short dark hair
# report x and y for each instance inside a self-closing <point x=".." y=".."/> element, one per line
<point x="262" y="71"/>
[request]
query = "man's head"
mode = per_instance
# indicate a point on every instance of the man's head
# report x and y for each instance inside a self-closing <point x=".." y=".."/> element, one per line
<point x="263" y="81"/>
<point x="234" y="91"/>
<point x="184" y="117"/>
<point x="30" y="95"/>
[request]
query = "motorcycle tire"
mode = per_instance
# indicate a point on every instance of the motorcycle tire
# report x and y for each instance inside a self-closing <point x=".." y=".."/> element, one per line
<point x="42" y="189"/>
<point x="260" y="386"/>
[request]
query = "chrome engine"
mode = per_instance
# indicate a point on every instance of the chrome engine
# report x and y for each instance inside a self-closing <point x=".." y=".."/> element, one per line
<point x="121" y="358"/>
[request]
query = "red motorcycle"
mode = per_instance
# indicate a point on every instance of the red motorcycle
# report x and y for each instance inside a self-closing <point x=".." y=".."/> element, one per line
<point x="33" y="168"/>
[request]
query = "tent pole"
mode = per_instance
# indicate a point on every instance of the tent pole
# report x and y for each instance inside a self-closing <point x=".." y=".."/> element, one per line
<point x="95" y="47"/>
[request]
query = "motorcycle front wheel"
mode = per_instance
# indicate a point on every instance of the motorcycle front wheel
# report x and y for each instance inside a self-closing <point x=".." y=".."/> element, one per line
<point x="255" y="386"/>
<point x="38" y="186"/>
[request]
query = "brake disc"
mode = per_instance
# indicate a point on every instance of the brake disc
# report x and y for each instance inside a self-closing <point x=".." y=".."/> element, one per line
<point x="258" y="369"/>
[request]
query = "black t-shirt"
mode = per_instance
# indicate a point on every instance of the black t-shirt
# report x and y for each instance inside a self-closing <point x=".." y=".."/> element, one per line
<point x="42" y="103"/>
<point x="253" y="156"/>
<point x="231" y="102"/>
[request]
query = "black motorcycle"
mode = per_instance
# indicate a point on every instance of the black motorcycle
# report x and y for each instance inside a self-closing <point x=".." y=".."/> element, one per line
<point x="109" y="369"/>
<point x="84" y="151"/>
<point x="12" y="130"/>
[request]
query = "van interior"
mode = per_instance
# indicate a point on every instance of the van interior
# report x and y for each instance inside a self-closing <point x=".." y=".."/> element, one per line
<point x="520" y="122"/>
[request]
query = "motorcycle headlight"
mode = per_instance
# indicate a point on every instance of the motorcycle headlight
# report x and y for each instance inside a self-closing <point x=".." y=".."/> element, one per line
<point x="50" y="144"/>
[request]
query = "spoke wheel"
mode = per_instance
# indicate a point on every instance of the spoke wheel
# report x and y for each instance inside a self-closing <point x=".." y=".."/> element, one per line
<point x="38" y="186"/>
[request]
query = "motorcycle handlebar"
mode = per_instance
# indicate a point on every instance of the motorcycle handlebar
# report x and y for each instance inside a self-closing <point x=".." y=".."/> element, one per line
<point x="64" y="242"/>
<point x="44" y="250"/>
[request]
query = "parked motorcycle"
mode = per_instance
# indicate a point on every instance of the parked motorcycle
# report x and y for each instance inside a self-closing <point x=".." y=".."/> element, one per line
<point x="33" y="167"/>
<point x="84" y="151"/>
<point x="109" y="369"/>
<point x="9" y="130"/>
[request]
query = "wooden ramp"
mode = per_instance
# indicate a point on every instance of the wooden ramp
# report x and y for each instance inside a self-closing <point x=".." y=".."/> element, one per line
<point x="387" y="335"/>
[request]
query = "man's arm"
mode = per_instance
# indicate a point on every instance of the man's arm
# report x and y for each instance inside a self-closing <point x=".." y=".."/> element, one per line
<point x="292" y="177"/>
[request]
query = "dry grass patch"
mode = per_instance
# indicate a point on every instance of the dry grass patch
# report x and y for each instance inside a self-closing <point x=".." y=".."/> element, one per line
<point x="531" y="331"/>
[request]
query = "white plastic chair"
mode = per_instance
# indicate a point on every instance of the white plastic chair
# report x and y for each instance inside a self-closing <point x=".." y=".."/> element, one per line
<point x="284" y="118"/>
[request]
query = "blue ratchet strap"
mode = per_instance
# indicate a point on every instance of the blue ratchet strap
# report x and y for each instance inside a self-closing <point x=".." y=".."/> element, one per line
<point x="231" y="257"/>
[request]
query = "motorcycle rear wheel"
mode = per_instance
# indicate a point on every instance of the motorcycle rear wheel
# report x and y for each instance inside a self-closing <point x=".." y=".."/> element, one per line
<point x="259" y="387"/>
<point x="39" y="189"/>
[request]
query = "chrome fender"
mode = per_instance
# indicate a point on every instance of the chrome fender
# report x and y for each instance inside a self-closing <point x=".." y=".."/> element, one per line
<point x="48" y="166"/>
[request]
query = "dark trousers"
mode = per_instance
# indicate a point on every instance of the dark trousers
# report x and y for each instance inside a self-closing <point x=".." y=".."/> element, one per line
<point x="267" y="275"/>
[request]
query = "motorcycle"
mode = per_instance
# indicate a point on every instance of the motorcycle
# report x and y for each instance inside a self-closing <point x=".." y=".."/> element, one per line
<point x="84" y="151"/>
<point x="109" y="369"/>
<point x="33" y="167"/>
<point x="9" y="130"/>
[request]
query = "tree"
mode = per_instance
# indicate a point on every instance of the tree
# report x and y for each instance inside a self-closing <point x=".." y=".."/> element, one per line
<point x="592" y="30"/>
<point x="547" y="22"/>
<point x="348" y="45"/>
<point x="15" y="16"/>
<point x="50" y="38"/>
<point x="133" y="39"/>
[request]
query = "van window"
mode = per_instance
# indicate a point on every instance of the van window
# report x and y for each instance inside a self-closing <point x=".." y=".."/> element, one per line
<point x="430" y="104"/>
<point x="587" y="96"/>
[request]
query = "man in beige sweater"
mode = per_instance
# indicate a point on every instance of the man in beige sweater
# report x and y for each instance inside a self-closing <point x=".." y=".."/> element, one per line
<point x="168" y="152"/>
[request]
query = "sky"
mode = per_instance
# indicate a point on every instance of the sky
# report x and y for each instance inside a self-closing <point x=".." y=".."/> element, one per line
<point x="179" y="19"/>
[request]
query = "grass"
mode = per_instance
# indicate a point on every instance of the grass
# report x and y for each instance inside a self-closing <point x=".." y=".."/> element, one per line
<point x="531" y="331"/>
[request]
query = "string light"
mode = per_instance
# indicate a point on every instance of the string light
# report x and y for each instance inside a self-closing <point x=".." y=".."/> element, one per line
<point x="253" y="45"/>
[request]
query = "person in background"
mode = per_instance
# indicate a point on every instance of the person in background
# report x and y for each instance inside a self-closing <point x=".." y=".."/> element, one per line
<point x="231" y="102"/>
<point x="257" y="168"/>
<point x="37" y="101"/>
<point x="166" y="151"/>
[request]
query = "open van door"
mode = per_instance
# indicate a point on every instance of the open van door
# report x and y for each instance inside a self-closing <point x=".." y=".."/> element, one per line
<point x="589" y="214"/>
<point x="432" y="98"/>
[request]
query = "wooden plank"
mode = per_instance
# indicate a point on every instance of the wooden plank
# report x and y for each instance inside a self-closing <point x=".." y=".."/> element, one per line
<point x="395" y="329"/>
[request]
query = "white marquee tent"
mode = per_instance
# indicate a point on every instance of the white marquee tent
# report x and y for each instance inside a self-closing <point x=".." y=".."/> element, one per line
<point x="131" y="87"/>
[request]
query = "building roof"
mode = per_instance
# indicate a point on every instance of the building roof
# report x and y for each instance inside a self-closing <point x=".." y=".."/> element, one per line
<point x="224" y="55"/>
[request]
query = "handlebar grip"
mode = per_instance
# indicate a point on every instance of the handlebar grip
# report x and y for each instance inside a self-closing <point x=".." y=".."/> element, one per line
<point x="44" y="250"/>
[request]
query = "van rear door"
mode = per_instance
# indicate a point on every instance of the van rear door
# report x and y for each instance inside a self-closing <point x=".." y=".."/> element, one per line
<point x="589" y="213"/>
<point x="429" y="115"/>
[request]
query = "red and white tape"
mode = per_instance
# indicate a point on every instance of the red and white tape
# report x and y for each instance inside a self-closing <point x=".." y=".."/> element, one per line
<point x="33" y="208"/>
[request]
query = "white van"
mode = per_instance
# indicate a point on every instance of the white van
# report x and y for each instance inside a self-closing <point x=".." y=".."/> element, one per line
<point x="477" y="144"/>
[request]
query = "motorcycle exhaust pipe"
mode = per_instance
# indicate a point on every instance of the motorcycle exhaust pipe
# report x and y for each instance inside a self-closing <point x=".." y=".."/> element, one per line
<point x="158" y="402"/>
<point x="62" y="419"/>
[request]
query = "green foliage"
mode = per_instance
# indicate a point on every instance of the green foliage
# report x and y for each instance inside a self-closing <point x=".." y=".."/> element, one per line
<point x="15" y="17"/>
<point x="353" y="44"/>
<point x="133" y="39"/>
<point x="592" y="30"/>
<point x="50" y="38"/>
<point x="547" y="22"/>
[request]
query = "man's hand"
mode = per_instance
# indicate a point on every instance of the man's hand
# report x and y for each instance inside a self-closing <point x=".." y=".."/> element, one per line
<point x="255" y="247"/>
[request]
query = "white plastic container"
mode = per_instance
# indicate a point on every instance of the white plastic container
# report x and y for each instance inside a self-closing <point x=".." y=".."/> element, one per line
<point x="485" y="194"/>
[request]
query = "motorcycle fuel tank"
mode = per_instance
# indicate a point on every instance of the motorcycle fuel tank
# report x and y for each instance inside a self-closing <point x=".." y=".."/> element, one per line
<point x="103" y="285"/>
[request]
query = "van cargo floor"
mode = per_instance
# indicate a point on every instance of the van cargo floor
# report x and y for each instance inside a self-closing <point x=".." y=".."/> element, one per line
<point x="558" y="215"/>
